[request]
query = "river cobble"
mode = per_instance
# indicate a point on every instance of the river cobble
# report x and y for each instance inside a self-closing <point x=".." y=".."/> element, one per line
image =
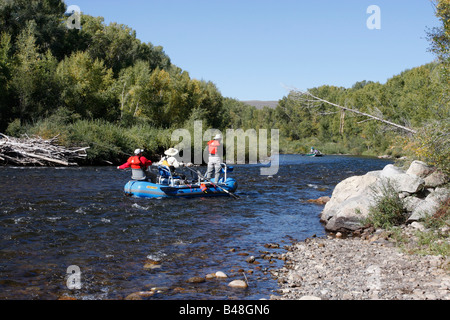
<point x="357" y="269"/>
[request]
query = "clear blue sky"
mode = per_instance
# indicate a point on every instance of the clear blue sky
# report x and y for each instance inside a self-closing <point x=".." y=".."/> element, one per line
<point x="254" y="49"/>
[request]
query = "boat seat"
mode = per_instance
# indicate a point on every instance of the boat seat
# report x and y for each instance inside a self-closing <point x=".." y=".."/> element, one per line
<point x="165" y="175"/>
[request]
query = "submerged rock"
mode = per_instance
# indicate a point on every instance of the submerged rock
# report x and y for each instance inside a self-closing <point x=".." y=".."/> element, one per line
<point x="321" y="200"/>
<point x="196" y="280"/>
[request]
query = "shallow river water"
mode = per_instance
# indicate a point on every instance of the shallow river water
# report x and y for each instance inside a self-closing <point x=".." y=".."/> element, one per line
<point x="53" y="218"/>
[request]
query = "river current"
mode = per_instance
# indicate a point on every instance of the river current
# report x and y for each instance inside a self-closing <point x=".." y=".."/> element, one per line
<point x="54" y="218"/>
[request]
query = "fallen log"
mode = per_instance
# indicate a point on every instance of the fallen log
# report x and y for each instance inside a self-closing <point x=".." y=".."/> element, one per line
<point x="27" y="151"/>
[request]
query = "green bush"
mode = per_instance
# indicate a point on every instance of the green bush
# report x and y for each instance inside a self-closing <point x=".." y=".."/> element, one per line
<point x="389" y="209"/>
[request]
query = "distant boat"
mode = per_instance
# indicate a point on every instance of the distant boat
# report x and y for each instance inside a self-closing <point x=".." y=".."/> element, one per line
<point x="316" y="154"/>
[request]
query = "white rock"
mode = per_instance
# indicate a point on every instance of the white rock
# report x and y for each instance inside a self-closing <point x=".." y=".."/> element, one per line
<point x="238" y="284"/>
<point x="430" y="205"/>
<point x="411" y="203"/>
<point x="310" y="298"/>
<point x="220" y="274"/>
<point x="435" y="179"/>
<point x="350" y="213"/>
<point x="401" y="181"/>
<point x="418" y="226"/>
<point x="351" y="199"/>
<point x="419" y="168"/>
<point x="349" y="202"/>
<point x="390" y="171"/>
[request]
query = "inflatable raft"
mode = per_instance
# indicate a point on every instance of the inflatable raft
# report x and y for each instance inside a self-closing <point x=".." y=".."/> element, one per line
<point x="169" y="186"/>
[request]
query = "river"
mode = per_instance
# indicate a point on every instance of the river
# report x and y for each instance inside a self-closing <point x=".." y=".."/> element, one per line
<point x="53" y="218"/>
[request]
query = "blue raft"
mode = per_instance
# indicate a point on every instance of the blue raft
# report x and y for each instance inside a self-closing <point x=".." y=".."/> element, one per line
<point x="169" y="186"/>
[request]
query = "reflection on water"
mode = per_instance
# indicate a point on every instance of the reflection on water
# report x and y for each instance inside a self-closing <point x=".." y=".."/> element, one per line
<point x="53" y="218"/>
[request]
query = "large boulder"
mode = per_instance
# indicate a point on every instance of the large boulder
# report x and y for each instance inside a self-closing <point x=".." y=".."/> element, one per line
<point x="420" y="169"/>
<point x="349" y="203"/>
<point x="423" y="208"/>
<point x="403" y="181"/>
<point x="435" y="179"/>
<point x="350" y="214"/>
<point x="352" y="198"/>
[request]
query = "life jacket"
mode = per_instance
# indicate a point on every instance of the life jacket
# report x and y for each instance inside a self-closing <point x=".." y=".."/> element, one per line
<point x="165" y="162"/>
<point x="135" y="162"/>
<point x="213" y="145"/>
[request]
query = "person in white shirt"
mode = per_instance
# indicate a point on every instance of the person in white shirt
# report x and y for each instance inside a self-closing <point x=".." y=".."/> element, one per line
<point x="169" y="159"/>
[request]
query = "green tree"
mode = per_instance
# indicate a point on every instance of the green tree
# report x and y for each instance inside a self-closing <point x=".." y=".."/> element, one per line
<point x="439" y="37"/>
<point x="117" y="45"/>
<point x="87" y="87"/>
<point x="155" y="97"/>
<point x="33" y="78"/>
<point x="131" y="90"/>
<point x="5" y="76"/>
<point x="47" y="15"/>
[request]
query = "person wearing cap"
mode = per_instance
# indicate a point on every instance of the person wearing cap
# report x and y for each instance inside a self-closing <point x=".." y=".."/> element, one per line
<point x="139" y="165"/>
<point x="215" y="158"/>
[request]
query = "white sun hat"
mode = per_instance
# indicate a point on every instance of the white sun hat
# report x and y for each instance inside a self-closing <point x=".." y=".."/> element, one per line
<point x="218" y="136"/>
<point x="138" y="151"/>
<point x="171" y="152"/>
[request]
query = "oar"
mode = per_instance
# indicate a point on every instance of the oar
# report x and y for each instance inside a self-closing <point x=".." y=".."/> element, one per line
<point x="215" y="185"/>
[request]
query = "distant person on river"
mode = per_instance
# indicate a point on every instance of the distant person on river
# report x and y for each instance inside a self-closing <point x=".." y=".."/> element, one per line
<point x="314" y="151"/>
<point x="139" y="165"/>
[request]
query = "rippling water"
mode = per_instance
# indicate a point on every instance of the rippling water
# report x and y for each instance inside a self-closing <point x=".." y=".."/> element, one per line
<point x="52" y="218"/>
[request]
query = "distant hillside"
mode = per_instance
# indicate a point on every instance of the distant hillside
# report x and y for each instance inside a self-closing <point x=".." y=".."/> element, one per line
<point x="261" y="104"/>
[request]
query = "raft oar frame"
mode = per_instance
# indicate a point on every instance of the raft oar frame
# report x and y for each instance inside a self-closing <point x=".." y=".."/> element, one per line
<point x="214" y="184"/>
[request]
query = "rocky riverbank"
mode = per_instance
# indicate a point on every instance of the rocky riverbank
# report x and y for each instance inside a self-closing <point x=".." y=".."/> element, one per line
<point x="376" y="264"/>
<point x="360" y="268"/>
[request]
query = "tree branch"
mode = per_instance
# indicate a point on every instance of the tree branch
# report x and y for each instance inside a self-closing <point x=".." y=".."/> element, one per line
<point x="301" y="93"/>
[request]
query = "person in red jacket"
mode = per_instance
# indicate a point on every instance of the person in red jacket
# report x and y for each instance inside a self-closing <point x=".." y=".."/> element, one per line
<point x="215" y="149"/>
<point x="139" y="165"/>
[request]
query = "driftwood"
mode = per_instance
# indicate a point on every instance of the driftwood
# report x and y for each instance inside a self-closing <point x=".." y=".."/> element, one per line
<point x="311" y="98"/>
<point x="37" y="151"/>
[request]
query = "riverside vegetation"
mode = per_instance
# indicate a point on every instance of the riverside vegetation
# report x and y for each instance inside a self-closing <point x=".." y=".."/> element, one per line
<point x="101" y="87"/>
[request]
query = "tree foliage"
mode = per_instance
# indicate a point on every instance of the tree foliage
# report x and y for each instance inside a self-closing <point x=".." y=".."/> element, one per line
<point x="98" y="72"/>
<point x="439" y="37"/>
<point x="54" y="78"/>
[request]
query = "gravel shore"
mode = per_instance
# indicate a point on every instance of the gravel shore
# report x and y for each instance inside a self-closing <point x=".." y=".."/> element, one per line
<point x="360" y="269"/>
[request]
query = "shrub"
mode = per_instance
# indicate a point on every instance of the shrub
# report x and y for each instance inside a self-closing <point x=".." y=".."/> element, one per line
<point x="389" y="210"/>
<point x="431" y="144"/>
